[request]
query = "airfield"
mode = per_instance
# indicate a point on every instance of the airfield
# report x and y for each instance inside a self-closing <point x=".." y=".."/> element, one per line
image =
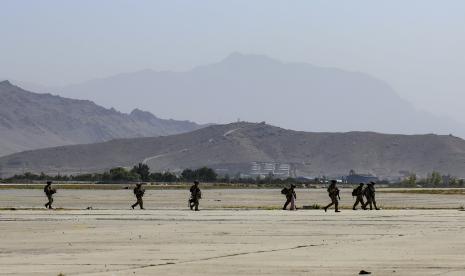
<point x="237" y="232"/>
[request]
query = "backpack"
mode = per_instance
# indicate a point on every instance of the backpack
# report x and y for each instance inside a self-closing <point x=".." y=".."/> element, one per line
<point x="285" y="191"/>
<point x="354" y="192"/>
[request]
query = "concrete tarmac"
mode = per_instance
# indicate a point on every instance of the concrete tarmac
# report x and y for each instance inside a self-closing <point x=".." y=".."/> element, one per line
<point x="216" y="199"/>
<point x="232" y="242"/>
<point x="229" y="236"/>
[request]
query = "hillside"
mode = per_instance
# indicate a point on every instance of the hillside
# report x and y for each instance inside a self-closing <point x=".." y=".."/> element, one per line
<point x="31" y="121"/>
<point x="232" y="148"/>
<point x="258" y="88"/>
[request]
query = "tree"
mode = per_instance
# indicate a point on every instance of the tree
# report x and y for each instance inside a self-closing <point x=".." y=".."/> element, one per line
<point x="142" y="170"/>
<point x="411" y="180"/>
<point x="202" y="174"/>
<point x="434" y="179"/>
<point x="187" y="174"/>
<point x="122" y="174"/>
<point x="206" y="174"/>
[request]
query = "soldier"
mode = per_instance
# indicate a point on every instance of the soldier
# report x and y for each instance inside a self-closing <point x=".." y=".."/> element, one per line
<point x="358" y="193"/>
<point x="196" y="195"/>
<point x="49" y="191"/>
<point x="333" y="193"/>
<point x="290" y="197"/>
<point x="139" y="193"/>
<point x="370" y="195"/>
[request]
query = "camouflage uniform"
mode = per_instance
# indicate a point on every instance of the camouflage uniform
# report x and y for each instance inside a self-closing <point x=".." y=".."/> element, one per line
<point x="290" y="193"/>
<point x="196" y="195"/>
<point x="358" y="192"/>
<point x="49" y="191"/>
<point x="333" y="193"/>
<point x="370" y="195"/>
<point x="139" y="193"/>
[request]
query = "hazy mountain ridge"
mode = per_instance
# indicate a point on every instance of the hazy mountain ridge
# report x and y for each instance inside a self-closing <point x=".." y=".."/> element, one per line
<point x="234" y="147"/>
<point x="29" y="121"/>
<point x="256" y="88"/>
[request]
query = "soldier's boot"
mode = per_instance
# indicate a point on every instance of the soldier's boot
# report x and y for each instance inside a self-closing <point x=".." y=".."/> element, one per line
<point x="376" y="207"/>
<point x="327" y="206"/>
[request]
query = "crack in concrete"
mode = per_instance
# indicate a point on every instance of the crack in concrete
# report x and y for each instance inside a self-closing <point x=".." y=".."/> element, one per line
<point x="208" y="258"/>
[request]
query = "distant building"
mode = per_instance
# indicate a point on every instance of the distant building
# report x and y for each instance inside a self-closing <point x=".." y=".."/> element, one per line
<point x="355" y="178"/>
<point x="277" y="170"/>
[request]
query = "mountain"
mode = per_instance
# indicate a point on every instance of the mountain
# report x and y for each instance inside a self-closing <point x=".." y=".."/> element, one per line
<point x="241" y="147"/>
<point x="31" y="121"/>
<point x="258" y="88"/>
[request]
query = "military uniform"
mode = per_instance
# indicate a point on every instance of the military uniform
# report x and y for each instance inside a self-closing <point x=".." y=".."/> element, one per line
<point x="139" y="193"/>
<point x="289" y="196"/>
<point x="196" y="195"/>
<point x="333" y="193"/>
<point x="370" y="196"/>
<point x="49" y="191"/>
<point x="358" y="193"/>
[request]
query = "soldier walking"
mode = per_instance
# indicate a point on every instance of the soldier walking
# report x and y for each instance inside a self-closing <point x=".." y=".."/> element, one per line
<point x="290" y="197"/>
<point x="358" y="193"/>
<point x="196" y="195"/>
<point x="49" y="191"/>
<point x="139" y="193"/>
<point x="333" y="193"/>
<point x="370" y="196"/>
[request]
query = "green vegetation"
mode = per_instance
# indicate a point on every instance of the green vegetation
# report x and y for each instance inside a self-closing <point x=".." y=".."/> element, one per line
<point x="427" y="191"/>
<point x="433" y="180"/>
<point x="141" y="172"/>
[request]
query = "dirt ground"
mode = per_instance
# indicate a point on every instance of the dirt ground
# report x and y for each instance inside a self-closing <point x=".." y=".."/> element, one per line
<point x="167" y="239"/>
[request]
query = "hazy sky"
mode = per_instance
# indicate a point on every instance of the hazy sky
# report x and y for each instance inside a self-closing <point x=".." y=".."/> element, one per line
<point x="416" y="46"/>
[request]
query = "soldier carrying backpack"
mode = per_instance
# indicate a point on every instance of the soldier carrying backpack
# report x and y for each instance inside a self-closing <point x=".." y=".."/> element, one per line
<point x="196" y="195"/>
<point x="49" y="191"/>
<point x="333" y="193"/>
<point x="139" y="192"/>
<point x="290" y="197"/>
<point x="358" y="193"/>
<point x="370" y="196"/>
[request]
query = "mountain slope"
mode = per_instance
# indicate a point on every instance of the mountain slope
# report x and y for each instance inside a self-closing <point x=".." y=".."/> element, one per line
<point x="257" y="88"/>
<point x="232" y="148"/>
<point x="30" y="121"/>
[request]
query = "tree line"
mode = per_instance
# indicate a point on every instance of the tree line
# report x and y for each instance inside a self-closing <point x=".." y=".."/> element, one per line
<point x="433" y="180"/>
<point x="141" y="173"/>
<point x="138" y="173"/>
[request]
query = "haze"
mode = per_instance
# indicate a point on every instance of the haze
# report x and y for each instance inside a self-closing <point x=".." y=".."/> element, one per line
<point x="415" y="46"/>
